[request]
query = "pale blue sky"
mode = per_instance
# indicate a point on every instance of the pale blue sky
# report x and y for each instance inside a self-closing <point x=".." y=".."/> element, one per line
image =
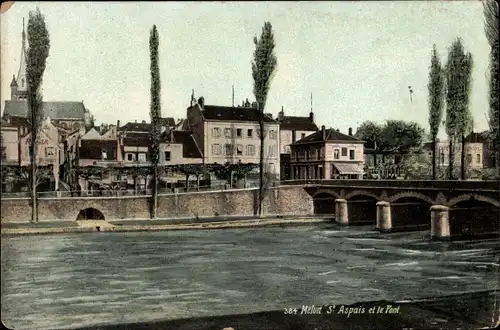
<point x="357" y="58"/>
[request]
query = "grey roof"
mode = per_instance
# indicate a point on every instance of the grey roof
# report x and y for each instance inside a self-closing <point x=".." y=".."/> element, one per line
<point x="330" y="135"/>
<point x="54" y="110"/>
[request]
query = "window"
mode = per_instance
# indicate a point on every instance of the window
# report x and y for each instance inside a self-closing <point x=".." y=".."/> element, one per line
<point x="478" y="158"/>
<point x="228" y="149"/>
<point x="287" y="149"/>
<point x="294" y="136"/>
<point x="351" y="154"/>
<point x="469" y="158"/>
<point x="239" y="149"/>
<point x="227" y="132"/>
<point x="250" y="133"/>
<point x="271" y="151"/>
<point x="303" y="135"/>
<point x="142" y="157"/>
<point x="130" y="157"/>
<point x="344" y="152"/>
<point x="318" y="154"/>
<point x="336" y="154"/>
<point x="238" y="132"/>
<point x="22" y="82"/>
<point x="216" y="149"/>
<point x="216" y="132"/>
<point x="272" y="134"/>
<point x="250" y="150"/>
<point x="49" y="151"/>
<point x="104" y="154"/>
<point x="167" y="156"/>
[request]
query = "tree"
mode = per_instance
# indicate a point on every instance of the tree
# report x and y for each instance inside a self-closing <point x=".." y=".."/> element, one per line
<point x="263" y="70"/>
<point x="402" y="137"/>
<point x="436" y="102"/>
<point x="491" y="15"/>
<point x="155" y="113"/>
<point x="458" y="116"/>
<point x="36" y="58"/>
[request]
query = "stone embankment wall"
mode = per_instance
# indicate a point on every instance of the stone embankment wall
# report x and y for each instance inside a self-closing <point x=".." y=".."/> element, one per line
<point x="288" y="200"/>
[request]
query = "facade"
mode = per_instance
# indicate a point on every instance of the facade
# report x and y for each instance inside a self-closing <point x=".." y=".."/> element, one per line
<point x="292" y="128"/>
<point x="231" y="135"/>
<point x="9" y="144"/>
<point x="477" y="152"/>
<point x="327" y="154"/>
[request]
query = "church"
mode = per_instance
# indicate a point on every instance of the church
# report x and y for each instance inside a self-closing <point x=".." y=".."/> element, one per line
<point x="67" y="116"/>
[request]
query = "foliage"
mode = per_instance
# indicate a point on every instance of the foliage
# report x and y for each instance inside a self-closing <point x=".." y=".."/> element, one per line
<point x="36" y="58"/>
<point x="395" y="136"/>
<point x="458" y="82"/>
<point x="263" y="70"/>
<point x="494" y="91"/>
<point x="491" y="14"/>
<point x="155" y="113"/>
<point x="436" y="101"/>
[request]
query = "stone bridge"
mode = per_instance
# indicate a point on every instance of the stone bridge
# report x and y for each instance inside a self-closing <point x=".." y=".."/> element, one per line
<point x="458" y="208"/>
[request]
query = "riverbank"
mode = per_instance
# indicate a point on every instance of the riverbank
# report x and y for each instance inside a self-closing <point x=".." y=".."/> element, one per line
<point x="477" y="310"/>
<point x="87" y="226"/>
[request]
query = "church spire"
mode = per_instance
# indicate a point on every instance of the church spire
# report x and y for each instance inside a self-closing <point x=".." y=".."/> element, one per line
<point x="22" y="85"/>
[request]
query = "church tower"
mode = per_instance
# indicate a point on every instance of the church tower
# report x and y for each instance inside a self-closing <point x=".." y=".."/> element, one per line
<point x="19" y="85"/>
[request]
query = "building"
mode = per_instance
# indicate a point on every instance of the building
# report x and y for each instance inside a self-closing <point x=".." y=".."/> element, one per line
<point x="67" y="116"/>
<point x="9" y="144"/>
<point x="327" y="154"/>
<point x="231" y="134"/>
<point x="292" y="128"/>
<point x="478" y="155"/>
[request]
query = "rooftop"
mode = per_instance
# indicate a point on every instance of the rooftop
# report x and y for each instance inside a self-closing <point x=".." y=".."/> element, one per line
<point x="297" y="123"/>
<point x="330" y="135"/>
<point x="222" y="113"/>
<point x="54" y="110"/>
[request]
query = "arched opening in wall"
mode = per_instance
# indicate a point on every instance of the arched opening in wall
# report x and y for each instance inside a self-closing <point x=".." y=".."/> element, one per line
<point x="324" y="203"/>
<point x="410" y="213"/>
<point x="362" y="210"/>
<point x="90" y="214"/>
<point x="474" y="219"/>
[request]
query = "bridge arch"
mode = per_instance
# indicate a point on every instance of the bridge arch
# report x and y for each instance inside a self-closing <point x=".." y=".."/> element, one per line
<point x="324" y="203"/>
<point x="327" y="192"/>
<point x="361" y="193"/>
<point x="411" y="194"/>
<point x="468" y="197"/>
<point x="90" y="213"/>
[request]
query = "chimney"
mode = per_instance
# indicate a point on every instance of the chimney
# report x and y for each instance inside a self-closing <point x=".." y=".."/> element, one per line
<point x="350" y="131"/>
<point x="311" y="116"/>
<point x="136" y="121"/>
<point x="247" y="103"/>
<point x="323" y="132"/>
<point x="117" y="124"/>
<point x="171" y="134"/>
<point x="143" y="121"/>
<point x="201" y="101"/>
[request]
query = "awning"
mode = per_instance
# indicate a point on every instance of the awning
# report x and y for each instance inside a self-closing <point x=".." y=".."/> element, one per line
<point x="345" y="168"/>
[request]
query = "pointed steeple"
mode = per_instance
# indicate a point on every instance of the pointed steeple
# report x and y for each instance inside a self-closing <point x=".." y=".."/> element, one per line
<point x="13" y="82"/>
<point x="22" y="85"/>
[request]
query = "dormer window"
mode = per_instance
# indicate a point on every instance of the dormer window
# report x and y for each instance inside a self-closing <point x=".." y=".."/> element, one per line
<point x="22" y="82"/>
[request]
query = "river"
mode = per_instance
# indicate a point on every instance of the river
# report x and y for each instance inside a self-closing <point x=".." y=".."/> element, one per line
<point x="76" y="280"/>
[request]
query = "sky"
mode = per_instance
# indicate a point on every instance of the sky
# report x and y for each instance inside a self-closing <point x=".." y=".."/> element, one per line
<point x="357" y="58"/>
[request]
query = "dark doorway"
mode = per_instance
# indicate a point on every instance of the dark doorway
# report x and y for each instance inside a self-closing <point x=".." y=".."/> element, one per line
<point x="324" y="204"/>
<point x="90" y="214"/>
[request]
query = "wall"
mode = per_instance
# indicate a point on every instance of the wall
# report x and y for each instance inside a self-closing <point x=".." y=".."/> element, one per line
<point x="271" y="156"/>
<point x="358" y="151"/>
<point x="10" y="143"/>
<point x="231" y="202"/>
<point x="286" y="139"/>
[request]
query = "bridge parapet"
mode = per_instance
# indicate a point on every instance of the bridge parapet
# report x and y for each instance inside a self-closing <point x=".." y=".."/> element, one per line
<point x="468" y="185"/>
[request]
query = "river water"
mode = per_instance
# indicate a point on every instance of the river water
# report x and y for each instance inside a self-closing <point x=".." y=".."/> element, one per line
<point x="75" y="280"/>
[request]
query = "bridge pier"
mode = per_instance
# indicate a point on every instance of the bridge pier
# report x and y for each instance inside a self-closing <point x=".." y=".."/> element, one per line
<point x="384" y="220"/>
<point x="440" y="224"/>
<point x="341" y="214"/>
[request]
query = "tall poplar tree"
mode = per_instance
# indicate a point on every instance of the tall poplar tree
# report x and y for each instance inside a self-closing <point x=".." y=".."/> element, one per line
<point x="436" y="102"/>
<point x="36" y="58"/>
<point x="155" y="114"/>
<point x="263" y="70"/>
<point x="491" y="21"/>
<point x="458" y="116"/>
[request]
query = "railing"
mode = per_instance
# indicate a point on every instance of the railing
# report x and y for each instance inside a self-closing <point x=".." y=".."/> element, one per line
<point x="419" y="184"/>
<point x="125" y="192"/>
